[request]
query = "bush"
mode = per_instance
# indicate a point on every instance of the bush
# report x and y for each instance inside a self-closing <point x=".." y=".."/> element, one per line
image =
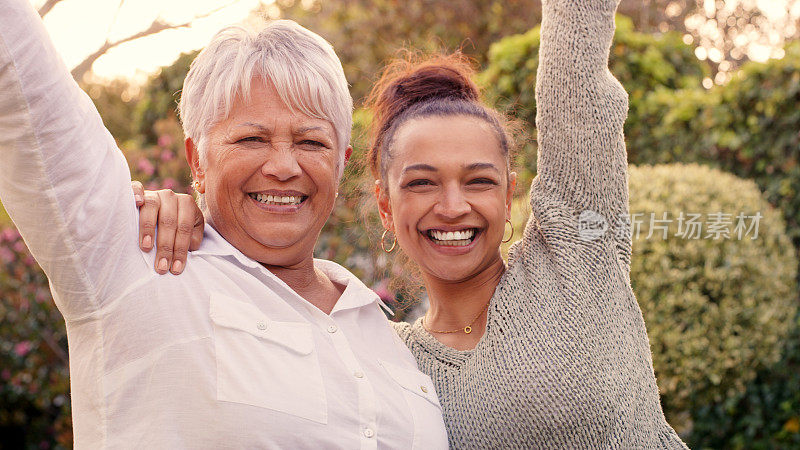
<point x="756" y="131"/>
<point x="717" y="309"/>
<point x="748" y="127"/>
<point x="765" y="416"/>
<point x="34" y="382"/>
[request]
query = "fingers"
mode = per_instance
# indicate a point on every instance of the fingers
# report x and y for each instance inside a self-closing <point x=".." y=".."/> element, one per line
<point x="148" y="216"/>
<point x="167" y="228"/>
<point x="138" y="193"/>
<point x="184" y="232"/>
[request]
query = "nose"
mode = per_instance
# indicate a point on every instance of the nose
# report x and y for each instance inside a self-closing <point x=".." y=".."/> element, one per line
<point x="281" y="163"/>
<point x="452" y="204"/>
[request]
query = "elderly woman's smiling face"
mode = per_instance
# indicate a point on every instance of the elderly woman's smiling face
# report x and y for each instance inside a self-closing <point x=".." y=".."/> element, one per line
<point x="269" y="177"/>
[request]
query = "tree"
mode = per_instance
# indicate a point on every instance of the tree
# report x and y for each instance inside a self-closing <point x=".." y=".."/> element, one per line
<point x="158" y="25"/>
<point x="727" y="33"/>
<point x="367" y="33"/>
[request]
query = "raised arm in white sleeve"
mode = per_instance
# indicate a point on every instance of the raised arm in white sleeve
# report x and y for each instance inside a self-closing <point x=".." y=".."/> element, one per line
<point x="63" y="180"/>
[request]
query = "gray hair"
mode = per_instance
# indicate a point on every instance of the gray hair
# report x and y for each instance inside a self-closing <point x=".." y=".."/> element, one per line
<point x="302" y="66"/>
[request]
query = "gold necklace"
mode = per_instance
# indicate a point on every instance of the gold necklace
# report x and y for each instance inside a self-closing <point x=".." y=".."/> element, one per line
<point x="467" y="329"/>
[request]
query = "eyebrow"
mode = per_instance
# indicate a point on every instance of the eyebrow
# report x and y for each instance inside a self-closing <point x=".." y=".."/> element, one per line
<point x="423" y="167"/>
<point x="473" y="166"/>
<point x="302" y="130"/>
<point x="259" y="127"/>
<point x="479" y="165"/>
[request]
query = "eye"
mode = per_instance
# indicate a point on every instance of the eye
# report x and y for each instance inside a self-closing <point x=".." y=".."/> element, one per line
<point x="313" y="143"/>
<point x="480" y="181"/>
<point x="419" y="182"/>
<point x="251" y="139"/>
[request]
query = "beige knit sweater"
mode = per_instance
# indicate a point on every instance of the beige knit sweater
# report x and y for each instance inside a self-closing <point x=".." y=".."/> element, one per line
<point x="565" y="361"/>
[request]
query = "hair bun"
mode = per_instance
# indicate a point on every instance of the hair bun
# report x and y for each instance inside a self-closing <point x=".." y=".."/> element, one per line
<point x="408" y="81"/>
<point x="435" y="81"/>
<point x="412" y="80"/>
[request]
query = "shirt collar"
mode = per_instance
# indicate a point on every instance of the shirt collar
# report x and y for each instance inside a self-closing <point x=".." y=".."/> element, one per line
<point x="355" y="295"/>
<point x="216" y="245"/>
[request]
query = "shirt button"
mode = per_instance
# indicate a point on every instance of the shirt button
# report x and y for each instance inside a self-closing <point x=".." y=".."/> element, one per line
<point x="261" y="325"/>
<point x="358" y="374"/>
<point x="332" y="328"/>
<point x="368" y="432"/>
<point x="424" y="389"/>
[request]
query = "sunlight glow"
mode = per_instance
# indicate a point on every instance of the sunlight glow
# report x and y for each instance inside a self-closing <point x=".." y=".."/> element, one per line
<point x="79" y="27"/>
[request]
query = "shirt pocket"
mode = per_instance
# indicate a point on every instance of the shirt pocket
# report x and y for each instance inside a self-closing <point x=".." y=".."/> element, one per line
<point x="266" y="363"/>
<point x="423" y="404"/>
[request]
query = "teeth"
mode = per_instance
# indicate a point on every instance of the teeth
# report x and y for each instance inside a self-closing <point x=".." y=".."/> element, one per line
<point x="453" y="238"/>
<point x="277" y="199"/>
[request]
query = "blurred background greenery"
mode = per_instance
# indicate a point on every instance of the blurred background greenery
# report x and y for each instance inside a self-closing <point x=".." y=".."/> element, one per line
<point x="714" y="126"/>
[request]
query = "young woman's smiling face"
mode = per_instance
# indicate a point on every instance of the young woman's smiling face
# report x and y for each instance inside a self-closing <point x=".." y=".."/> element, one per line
<point x="449" y="195"/>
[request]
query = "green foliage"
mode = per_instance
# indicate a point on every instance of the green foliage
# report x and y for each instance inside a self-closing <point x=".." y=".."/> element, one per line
<point x="161" y="165"/>
<point x="34" y="383"/>
<point x="645" y="64"/>
<point x="117" y="101"/>
<point x="717" y="309"/>
<point x="367" y="33"/>
<point x="756" y="131"/>
<point x="160" y="97"/>
<point x="765" y="416"/>
<point x="748" y="127"/>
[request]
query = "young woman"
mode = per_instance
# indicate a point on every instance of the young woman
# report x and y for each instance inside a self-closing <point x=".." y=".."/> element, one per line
<point x="549" y="351"/>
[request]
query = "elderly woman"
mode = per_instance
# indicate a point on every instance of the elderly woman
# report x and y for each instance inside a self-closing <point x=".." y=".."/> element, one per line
<point x="257" y="344"/>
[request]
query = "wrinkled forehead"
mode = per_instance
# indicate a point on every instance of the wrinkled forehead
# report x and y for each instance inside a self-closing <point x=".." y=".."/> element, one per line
<point x="300" y="102"/>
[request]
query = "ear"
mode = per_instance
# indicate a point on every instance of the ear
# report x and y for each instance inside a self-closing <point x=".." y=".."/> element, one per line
<point x="193" y="158"/>
<point x="347" y="153"/>
<point x="384" y="207"/>
<point x="512" y="185"/>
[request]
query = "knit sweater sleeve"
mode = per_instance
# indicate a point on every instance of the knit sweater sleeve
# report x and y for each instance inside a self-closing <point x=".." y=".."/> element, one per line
<point x="581" y="108"/>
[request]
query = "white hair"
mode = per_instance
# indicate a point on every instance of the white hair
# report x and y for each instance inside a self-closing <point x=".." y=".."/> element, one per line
<point x="302" y="66"/>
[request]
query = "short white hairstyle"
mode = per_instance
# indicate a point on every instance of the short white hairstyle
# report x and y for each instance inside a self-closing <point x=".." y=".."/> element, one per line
<point x="302" y="66"/>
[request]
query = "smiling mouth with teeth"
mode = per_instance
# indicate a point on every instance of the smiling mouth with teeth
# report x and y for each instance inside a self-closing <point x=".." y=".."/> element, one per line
<point x="459" y="238"/>
<point x="268" y="199"/>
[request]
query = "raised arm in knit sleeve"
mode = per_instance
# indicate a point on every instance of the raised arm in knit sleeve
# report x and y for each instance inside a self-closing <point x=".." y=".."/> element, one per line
<point x="581" y="108"/>
<point x="62" y="179"/>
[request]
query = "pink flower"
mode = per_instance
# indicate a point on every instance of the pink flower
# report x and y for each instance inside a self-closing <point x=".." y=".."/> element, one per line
<point x="18" y="246"/>
<point x="22" y="348"/>
<point x="9" y="234"/>
<point x="167" y="155"/>
<point x="6" y="255"/>
<point x="146" y="166"/>
<point x="164" y="140"/>
<point x="382" y="289"/>
<point x="5" y="374"/>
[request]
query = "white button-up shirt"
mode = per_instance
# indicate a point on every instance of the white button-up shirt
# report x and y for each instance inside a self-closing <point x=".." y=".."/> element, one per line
<point x="225" y="355"/>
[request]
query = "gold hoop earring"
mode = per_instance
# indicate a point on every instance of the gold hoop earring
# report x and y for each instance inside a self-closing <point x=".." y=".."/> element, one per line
<point x="512" y="232"/>
<point x="196" y="185"/>
<point x="383" y="243"/>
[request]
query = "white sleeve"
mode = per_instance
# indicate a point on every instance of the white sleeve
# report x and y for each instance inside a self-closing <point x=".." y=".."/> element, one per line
<point x="63" y="180"/>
